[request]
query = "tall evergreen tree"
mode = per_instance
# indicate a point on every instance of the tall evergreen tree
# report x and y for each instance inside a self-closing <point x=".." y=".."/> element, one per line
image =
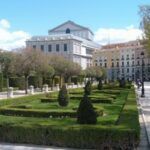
<point x="63" y="97"/>
<point x="85" y="112"/>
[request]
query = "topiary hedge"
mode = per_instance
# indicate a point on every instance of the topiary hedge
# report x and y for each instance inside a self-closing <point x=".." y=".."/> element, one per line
<point x="36" y="113"/>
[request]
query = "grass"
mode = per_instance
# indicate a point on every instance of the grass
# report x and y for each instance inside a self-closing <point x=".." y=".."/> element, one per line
<point x="111" y="111"/>
<point x="118" y="127"/>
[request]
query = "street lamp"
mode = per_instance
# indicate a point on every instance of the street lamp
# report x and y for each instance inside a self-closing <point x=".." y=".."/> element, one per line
<point x="142" y="90"/>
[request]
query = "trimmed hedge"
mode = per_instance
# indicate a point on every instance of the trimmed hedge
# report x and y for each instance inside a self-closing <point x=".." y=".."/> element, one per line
<point x="36" y="113"/>
<point x="22" y="106"/>
<point x="48" y="100"/>
<point x="19" y="100"/>
<point x="123" y="136"/>
<point x="85" y="136"/>
<point x="106" y="101"/>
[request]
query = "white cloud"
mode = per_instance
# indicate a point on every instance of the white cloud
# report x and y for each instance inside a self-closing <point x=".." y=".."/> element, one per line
<point x="114" y="35"/>
<point x="11" y="40"/>
<point x="4" y="23"/>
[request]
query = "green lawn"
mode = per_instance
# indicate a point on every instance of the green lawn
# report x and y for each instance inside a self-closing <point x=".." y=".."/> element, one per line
<point x="118" y="126"/>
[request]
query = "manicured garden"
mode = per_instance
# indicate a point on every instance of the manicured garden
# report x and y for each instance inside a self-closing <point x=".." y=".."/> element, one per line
<point x="39" y="119"/>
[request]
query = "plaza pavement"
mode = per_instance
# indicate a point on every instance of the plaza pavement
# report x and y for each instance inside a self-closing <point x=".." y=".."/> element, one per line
<point x="144" y="117"/>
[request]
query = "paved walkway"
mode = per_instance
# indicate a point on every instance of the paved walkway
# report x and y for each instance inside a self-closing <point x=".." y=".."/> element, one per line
<point x="144" y="117"/>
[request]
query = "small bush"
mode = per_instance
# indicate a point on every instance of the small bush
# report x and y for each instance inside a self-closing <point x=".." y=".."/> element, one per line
<point x="100" y="85"/>
<point x="122" y="83"/>
<point x="88" y="88"/>
<point x="63" y="97"/>
<point x="85" y="112"/>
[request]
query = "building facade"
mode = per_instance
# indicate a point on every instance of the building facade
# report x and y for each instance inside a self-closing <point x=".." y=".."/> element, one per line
<point x="70" y="40"/>
<point x="123" y="60"/>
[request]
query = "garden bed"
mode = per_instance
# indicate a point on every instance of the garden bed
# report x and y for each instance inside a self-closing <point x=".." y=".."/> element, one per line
<point x="117" y="128"/>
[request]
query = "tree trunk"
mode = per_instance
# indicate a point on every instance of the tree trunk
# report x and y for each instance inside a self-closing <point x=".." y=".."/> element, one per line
<point x="52" y="83"/>
<point x="7" y="79"/>
<point x="26" y="84"/>
<point x="1" y="84"/>
<point x="60" y="83"/>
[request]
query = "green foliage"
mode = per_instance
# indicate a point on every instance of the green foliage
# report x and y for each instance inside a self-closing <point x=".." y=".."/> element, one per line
<point x="100" y="84"/>
<point x="145" y="24"/>
<point x="48" y="100"/>
<point x="122" y="83"/>
<point x="88" y="88"/>
<point x="65" y="131"/>
<point x="36" y="113"/>
<point x="63" y="97"/>
<point x="86" y="113"/>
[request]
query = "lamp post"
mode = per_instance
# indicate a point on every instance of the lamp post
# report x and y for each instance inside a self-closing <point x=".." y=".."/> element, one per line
<point x="142" y="90"/>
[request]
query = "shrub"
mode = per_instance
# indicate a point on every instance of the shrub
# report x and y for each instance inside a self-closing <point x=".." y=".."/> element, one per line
<point x="36" y="113"/>
<point x="63" y="97"/>
<point x="122" y="83"/>
<point x="22" y="106"/>
<point x="100" y="85"/>
<point x="48" y="100"/>
<point x="85" y="112"/>
<point x="88" y="88"/>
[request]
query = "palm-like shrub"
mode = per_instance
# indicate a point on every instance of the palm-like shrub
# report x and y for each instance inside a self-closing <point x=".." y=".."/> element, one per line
<point x="85" y="112"/>
<point x="63" y="96"/>
<point x="88" y="88"/>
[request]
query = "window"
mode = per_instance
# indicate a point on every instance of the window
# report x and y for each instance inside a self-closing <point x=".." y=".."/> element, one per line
<point x="49" y="48"/>
<point x="42" y="47"/>
<point x="117" y="64"/>
<point x="105" y="65"/>
<point x="65" y="47"/>
<point x="127" y="63"/>
<point x="57" y="47"/>
<point x="101" y="64"/>
<point x="127" y="70"/>
<point x="112" y="64"/>
<point x="132" y="63"/>
<point x="34" y="46"/>
<point x="122" y="70"/>
<point x="67" y="31"/>
<point x="132" y="70"/>
<point x="122" y="64"/>
<point x="138" y="63"/>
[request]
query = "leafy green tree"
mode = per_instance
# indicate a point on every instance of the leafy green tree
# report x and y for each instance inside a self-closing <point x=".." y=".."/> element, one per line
<point x="145" y="25"/>
<point x="63" y="96"/>
<point x="63" y="67"/>
<point x="7" y="60"/>
<point x="85" y="112"/>
<point x="30" y="62"/>
<point x="94" y="72"/>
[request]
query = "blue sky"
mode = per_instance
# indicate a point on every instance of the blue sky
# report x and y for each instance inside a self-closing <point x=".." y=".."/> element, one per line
<point x="35" y="17"/>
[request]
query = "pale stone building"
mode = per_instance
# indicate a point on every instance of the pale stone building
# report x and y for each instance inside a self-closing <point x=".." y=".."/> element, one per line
<point x="123" y="60"/>
<point x="69" y="39"/>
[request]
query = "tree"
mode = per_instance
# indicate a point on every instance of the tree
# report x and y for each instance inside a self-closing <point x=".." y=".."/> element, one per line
<point x="7" y="60"/>
<point x="63" y="97"/>
<point x="31" y="62"/>
<point x="100" y="85"/>
<point x="85" y="112"/>
<point x="94" y="72"/>
<point x="145" y="25"/>
<point x="63" y="67"/>
<point x="88" y="88"/>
